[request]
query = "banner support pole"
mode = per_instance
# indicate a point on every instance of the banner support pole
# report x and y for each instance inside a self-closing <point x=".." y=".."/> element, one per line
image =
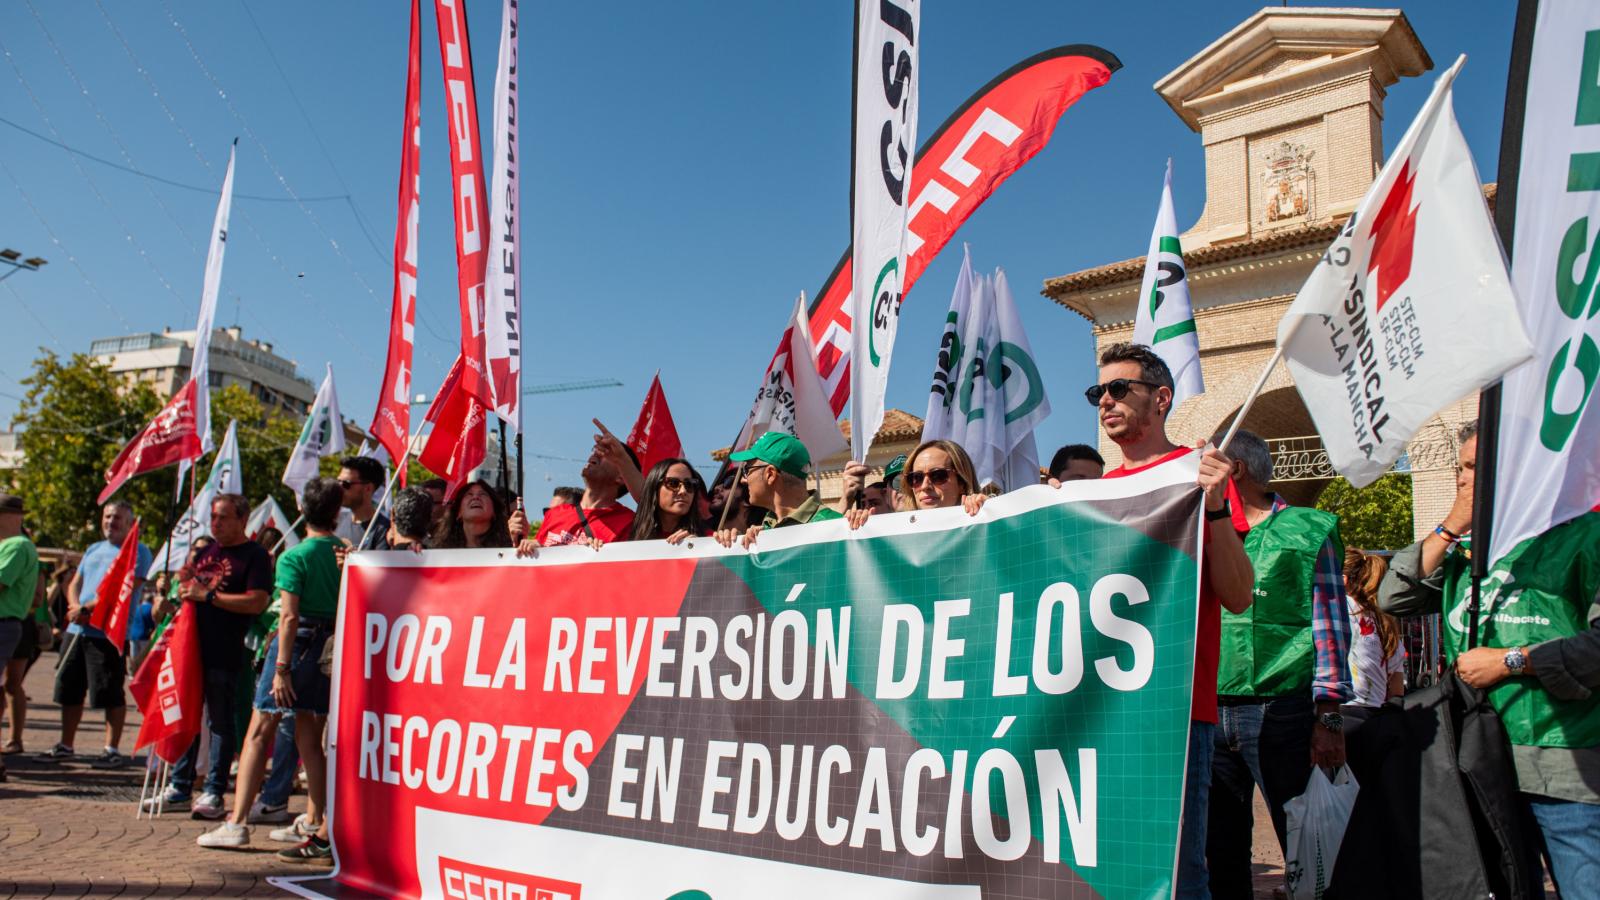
<point x="1255" y="392"/>
<point x="519" y="463"/>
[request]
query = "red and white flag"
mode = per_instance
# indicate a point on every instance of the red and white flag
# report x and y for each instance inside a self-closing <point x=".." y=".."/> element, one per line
<point x="1411" y="308"/>
<point x="457" y="444"/>
<point x="466" y="179"/>
<point x="268" y="514"/>
<point x="169" y="690"/>
<point x="169" y="437"/>
<point x="792" y="397"/>
<point x="654" y="435"/>
<point x="391" y="424"/>
<point x="502" y="328"/>
<point x="110" y="613"/>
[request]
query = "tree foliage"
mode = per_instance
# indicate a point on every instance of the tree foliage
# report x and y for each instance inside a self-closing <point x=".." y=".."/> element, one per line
<point x="1376" y="517"/>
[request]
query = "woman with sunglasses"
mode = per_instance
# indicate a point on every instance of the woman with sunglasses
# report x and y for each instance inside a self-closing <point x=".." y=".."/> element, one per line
<point x="475" y="518"/>
<point x="670" y="507"/>
<point x="938" y="474"/>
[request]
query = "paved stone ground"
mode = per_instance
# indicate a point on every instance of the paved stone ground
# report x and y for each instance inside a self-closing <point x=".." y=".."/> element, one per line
<point x="68" y="830"/>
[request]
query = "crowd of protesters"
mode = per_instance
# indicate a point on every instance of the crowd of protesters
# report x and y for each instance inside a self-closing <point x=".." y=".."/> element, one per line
<point x="1297" y="642"/>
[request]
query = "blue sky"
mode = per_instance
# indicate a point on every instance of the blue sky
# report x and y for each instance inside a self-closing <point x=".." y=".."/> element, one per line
<point x="685" y="175"/>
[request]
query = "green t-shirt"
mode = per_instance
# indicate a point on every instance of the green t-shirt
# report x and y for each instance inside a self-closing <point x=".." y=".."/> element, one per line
<point x="310" y="571"/>
<point x="19" y="573"/>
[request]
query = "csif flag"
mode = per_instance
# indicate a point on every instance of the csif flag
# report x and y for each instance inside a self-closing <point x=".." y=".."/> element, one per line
<point x="792" y="398"/>
<point x="169" y="437"/>
<point x="1549" y="412"/>
<point x="457" y="444"/>
<point x="987" y="394"/>
<point x="887" y="73"/>
<point x="654" y="435"/>
<point x="268" y="514"/>
<point x="990" y="136"/>
<point x="321" y="435"/>
<point x="1411" y="308"/>
<point x="1165" y="320"/>
<point x="391" y="424"/>
<point x="470" y="198"/>
<point x="169" y="688"/>
<point x="502" y="321"/>
<point x="112" y="617"/>
<point x="226" y="478"/>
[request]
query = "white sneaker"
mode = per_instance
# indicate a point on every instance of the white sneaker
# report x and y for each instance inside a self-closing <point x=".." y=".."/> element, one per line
<point x="227" y="835"/>
<point x="170" y="800"/>
<point x="301" y="828"/>
<point x="207" y="806"/>
<point x="262" y="814"/>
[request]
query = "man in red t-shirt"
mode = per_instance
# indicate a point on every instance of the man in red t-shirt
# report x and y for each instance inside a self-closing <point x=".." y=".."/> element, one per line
<point x="1134" y="397"/>
<point x="597" y="516"/>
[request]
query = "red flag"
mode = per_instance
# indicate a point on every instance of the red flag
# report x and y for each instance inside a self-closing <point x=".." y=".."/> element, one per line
<point x="467" y="184"/>
<point x="169" y="690"/>
<point x="457" y="444"/>
<point x="988" y="138"/>
<point x="169" y="438"/>
<point x="654" y="436"/>
<point x="391" y="424"/>
<point x="110" y="613"/>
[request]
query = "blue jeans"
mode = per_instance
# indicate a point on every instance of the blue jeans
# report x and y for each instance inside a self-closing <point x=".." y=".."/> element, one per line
<point x="220" y="690"/>
<point x="1572" y="838"/>
<point x="1193" y="882"/>
<point x="285" y="762"/>
<point x="1263" y="742"/>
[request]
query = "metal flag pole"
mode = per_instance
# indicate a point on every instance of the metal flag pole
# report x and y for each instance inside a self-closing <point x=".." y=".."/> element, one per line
<point x="144" y="789"/>
<point x="285" y="536"/>
<point x="388" y="489"/>
<point x="505" y="479"/>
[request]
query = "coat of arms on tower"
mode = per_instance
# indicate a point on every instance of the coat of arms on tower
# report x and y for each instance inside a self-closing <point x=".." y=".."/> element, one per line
<point x="1287" y="180"/>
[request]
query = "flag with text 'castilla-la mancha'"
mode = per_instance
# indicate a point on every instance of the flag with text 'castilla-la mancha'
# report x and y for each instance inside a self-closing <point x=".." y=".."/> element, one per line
<point x="1165" y="320"/>
<point x="1411" y="308"/>
<point x="321" y="435"/>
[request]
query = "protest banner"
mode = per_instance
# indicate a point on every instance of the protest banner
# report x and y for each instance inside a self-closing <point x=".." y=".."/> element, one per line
<point x="936" y="705"/>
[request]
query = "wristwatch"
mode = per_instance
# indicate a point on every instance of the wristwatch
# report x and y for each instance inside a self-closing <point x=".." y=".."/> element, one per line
<point x="1332" y="721"/>
<point x="1516" y="660"/>
<point x="1223" y="512"/>
<point x="211" y="596"/>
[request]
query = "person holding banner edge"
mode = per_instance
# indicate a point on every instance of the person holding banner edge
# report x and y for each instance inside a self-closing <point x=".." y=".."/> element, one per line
<point x="1537" y="657"/>
<point x="775" y="470"/>
<point x="1134" y="398"/>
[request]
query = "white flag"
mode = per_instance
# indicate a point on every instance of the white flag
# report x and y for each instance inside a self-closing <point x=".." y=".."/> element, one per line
<point x="1549" y="420"/>
<point x="268" y="514"/>
<point x="200" y="360"/>
<point x="1411" y="307"/>
<point x="792" y="397"/>
<point x="322" y="435"/>
<point x="886" y="75"/>
<point x="987" y="393"/>
<point x="502" y="330"/>
<point x="1165" y="321"/>
<point x="227" y="477"/>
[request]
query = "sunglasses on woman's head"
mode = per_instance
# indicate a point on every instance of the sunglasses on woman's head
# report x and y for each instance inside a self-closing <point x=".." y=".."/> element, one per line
<point x="936" y="477"/>
<point x="1116" y="387"/>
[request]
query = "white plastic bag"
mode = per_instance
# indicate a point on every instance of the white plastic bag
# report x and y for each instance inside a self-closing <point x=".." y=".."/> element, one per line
<point x="1316" y="823"/>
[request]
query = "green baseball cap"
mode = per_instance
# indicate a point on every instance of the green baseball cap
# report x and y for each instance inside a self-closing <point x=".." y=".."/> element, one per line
<point x="894" y="469"/>
<point x="779" y="450"/>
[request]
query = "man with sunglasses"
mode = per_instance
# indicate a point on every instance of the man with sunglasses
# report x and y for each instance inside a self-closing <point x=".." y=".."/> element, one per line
<point x="776" y="467"/>
<point x="1134" y="398"/>
<point x="361" y="476"/>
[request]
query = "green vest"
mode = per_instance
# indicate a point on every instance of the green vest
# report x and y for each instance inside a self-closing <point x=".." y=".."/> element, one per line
<point x="1540" y="590"/>
<point x="1267" y="650"/>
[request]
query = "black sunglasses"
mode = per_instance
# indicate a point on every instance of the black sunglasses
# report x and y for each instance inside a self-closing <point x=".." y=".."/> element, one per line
<point x="1116" y="387"/>
<point x="936" y="477"/>
<point x="680" y="484"/>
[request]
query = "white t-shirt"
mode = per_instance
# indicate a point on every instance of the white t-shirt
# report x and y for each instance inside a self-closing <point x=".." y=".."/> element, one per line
<point x="1369" y="670"/>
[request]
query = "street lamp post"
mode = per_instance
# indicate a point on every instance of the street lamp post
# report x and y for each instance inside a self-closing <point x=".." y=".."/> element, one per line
<point x="14" y="259"/>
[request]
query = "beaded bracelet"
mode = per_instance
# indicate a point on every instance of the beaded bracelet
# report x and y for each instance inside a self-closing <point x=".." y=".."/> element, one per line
<point x="1450" y="536"/>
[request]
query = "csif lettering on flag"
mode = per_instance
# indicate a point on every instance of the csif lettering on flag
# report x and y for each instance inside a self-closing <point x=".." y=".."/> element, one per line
<point x="1165" y="318"/>
<point x="226" y="478"/>
<point x="502" y="330"/>
<point x="1549" y="419"/>
<point x="990" y="136"/>
<point x="467" y="188"/>
<point x="887" y="72"/>
<point x="321" y="435"/>
<point x="169" y="437"/>
<point x="1411" y="308"/>
<point x="391" y="424"/>
<point x="792" y="397"/>
<point x="111" y="614"/>
<point x="168" y="689"/>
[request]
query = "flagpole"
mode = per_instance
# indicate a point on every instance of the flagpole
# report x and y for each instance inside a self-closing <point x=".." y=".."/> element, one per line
<point x="1505" y="220"/>
<point x="505" y="479"/>
<point x="388" y="488"/>
<point x="1261" y="382"/>
<point x="285" y="536"/>
<point x="519" y="463"/>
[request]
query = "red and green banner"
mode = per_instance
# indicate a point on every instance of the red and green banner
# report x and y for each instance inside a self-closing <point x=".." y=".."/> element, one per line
<point x="936" y="705"/>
